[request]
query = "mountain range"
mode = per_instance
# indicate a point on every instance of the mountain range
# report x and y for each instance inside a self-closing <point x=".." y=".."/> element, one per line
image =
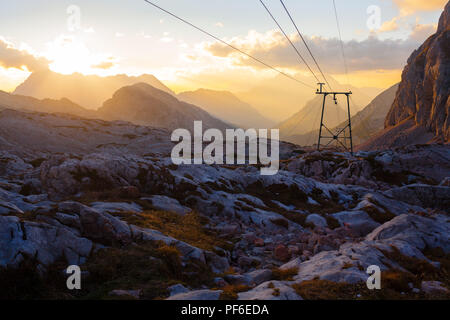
<point x="64" y="105"/>
<point x="414" y="111"/>
<point x="307" y="120"/>
<point x="143" y="104"/>
<point x="89" y="91"/>
<point x="279" y="98"/>
<point x="226" y="106"/>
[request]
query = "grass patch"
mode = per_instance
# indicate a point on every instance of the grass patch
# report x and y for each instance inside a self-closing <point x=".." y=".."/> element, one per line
<point x="377" y="215"/>
<point x="230" y="292"/>
<point x="189" y="228"/>
<point x="151" y="268"/>
<point x="284" y="275"/>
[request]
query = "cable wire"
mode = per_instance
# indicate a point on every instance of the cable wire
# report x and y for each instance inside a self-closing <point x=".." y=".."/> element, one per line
<point x="290" y="41"/>
<point x="305" y="43"/>
<point x="341" y="42"/>
<point x="227" y="44"/>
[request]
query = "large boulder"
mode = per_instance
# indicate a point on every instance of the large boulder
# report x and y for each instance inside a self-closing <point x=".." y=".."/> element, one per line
<point x="271" y="290"/>
<point x="7" y="208"/>
<point x="358" y="221"/>
<point x="44" y="242"/>
<point x="426" y="196"/>
<point x="316" y="220"/>
<point x="197" y="295"/>
<point x="98" y="226"/>
<point x="11" y="165"/>
<point x="409" y="233"/>
<point x="165" y="203"/>
<point x="62" y="176"/>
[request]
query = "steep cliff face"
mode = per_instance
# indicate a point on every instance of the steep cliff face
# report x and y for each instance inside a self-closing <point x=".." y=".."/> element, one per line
<point x="423" y="94"/>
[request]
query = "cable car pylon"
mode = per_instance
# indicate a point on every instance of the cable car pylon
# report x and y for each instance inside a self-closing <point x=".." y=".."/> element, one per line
<point x="340" y="135"/>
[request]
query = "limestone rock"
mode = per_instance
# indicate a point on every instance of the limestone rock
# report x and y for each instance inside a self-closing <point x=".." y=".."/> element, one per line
<point x="197" y="295"/>
<point x="271" y="290"/>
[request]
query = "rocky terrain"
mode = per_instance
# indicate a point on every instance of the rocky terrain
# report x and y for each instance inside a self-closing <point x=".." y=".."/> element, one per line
<point x="420" y="113"/>
<point x="106" y="196"/>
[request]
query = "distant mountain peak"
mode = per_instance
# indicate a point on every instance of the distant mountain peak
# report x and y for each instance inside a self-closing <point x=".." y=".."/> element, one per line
<point x="86" y="90"/>
<point x="227" y="107"/>
<point x="144" y="104"/>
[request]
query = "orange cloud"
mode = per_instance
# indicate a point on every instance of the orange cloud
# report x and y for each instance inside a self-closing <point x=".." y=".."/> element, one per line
<point x="389" y="26"/>
<point x="105" y="65"/>
<point x="12" y="57"/>
<point x="408" y="7"/>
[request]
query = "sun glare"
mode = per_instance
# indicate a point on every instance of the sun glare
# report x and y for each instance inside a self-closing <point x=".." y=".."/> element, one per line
<point x="70" y="55"/>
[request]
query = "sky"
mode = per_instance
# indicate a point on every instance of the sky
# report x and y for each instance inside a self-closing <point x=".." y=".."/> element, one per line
<point x="108" y="37"/>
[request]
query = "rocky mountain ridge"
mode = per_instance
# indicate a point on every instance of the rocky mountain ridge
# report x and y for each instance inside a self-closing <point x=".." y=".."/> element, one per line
<point x="421" y="110"/>
<point x="89" y="91"/>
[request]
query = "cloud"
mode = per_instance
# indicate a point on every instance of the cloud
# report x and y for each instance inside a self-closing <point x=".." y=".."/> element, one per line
<point x="408" y="7"/>
<point x="219" y="25"/>
<point x="119" y="35"/>
<point x="389" y="26"/>
<point x="104" y="65"/>
<point x="422" y="31"/>
<point x="12" y="57"/>
<point x="271" y="47"/>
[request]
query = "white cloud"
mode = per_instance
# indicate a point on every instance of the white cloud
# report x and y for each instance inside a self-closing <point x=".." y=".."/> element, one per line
<point x="422" y="31"/>
<point x="369" y="54"/>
